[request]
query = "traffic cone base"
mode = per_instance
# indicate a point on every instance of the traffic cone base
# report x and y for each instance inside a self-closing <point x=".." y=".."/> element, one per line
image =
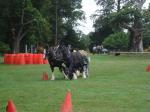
<point x="11" y="107"/>
<point x="45" y="76"/>
<point x="148" y="68"/>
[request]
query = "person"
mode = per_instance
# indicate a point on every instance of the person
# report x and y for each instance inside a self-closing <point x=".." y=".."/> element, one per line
<point x="44" y="54"/>
<point x="94" y="49"/>
<point x="149" y="49"/>
<point x="98" y="49"/>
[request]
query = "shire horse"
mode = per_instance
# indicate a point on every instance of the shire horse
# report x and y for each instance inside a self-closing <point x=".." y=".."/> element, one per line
<point x="68" y="62"/>
<point x="79" y="62"/>
<point x="75" y="61"/>
<point x="56" y="59"/>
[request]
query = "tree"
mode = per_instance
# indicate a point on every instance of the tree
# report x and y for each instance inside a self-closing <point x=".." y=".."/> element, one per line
<point x="22" y="18"/>
<point x="36" y="21"/>
<point x="63" y="14"/>
<point x="102" y="21"/>
<point x="84" y="42"/>
<point x="131" y="19"/>
<point x="121" y="15"/>
<point x="146" y="25"/>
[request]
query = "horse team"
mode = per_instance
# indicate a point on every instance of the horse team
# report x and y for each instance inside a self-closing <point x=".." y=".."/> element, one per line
<point x="70" y="63"/>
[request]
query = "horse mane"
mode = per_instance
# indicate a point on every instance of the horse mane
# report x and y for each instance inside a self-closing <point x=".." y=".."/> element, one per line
<point x="54" y="53"/>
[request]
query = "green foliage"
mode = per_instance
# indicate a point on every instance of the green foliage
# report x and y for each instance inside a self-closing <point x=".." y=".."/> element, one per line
<point x="117" y="41"/>
<point x="101" y="34"/>
<point x="84" y="42"/>
<point x="118" y="15"/>
<point x="128" y="14"/>
<point x="108" y="6"/>
<point x="37" y="19"/>
<point x="27" y="20"/>
<point x="4" y="48"/>
<point x="71" y="37"/>
<point x="40" y="27"/>
<point x="146" y="36"/>
<point x="146" y="40"/>
<point x="68" y="12"/>
<point x="103" y="26"/>
<point x="146" y="23"/>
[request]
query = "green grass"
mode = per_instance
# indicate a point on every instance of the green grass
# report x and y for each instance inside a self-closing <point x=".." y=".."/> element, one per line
<point x="116" y="84"/>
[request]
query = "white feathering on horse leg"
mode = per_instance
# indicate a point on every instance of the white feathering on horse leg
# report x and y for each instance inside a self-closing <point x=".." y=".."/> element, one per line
<point x="66" y="77"/>
<point x="87" y="72"/>
<point x="84" y="76"/>
<point x="53" y="76"/>
<point x="74" y="76"/>
<point x="89" y="59"/>
<point x="78" y="73"/>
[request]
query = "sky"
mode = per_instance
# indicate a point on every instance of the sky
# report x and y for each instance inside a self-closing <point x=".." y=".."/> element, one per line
<point x="89" y="7"/>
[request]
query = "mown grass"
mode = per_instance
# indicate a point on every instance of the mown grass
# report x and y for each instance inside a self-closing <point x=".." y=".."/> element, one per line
<point x="116" y="84"/>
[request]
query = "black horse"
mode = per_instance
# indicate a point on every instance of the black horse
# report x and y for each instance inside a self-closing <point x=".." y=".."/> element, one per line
<point x="75" y="61"/>
<point x="68" y="62"/>
<point x="78" y="63"/>
<point x="56" y="59"/>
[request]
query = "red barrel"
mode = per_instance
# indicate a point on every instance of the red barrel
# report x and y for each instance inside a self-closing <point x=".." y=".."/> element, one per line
<point x="16" y="59"/>
<point x="21" y="60"/>
<point x="35" y="58"/>
<point x="40" y="59"/>
<point x="6" y="58"/>
<point x="11" y="58"/>
<point x="24" y="58"/>
<point x="28" y="58"/>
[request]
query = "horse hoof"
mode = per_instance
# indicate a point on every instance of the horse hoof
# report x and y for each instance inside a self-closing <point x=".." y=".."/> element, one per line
<point x="84" y="76"/>
<point x="78" y="73"/>
<point x="52" y="78"/>
<point x="74" y="76"/>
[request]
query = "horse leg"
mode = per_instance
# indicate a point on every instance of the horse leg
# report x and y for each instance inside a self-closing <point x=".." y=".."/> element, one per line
<point x="78" y="73"/>
<point x="87" y="70"/>
<point x="62" y="69"/>
<point x="74" y="73"/>
<point x="84" y="72"/>
<point x="74" y="76"/>
<point x="53" y="76"/>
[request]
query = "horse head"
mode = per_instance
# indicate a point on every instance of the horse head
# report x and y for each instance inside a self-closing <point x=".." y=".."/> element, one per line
<point x="54" y="54"/>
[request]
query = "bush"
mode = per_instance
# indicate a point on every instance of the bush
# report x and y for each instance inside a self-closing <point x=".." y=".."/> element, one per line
<point x="4" y="48"/>
<point x="117" y="41"/>
<point x="84" y="43"/>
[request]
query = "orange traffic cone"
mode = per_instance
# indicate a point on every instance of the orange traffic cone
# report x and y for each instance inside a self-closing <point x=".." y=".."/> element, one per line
<point x="67" y="104"/>
<point x="45" y="76"/>
<point x="148" y="68"/>
<point x="10" y="107"/>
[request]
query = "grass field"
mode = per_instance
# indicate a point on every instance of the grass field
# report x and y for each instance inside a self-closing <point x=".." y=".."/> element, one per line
<point x="116" y="84"/>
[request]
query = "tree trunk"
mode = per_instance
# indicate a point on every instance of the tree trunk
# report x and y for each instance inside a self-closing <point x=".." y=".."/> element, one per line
<point x="16" y="46"/>
<point x="135" y="38"/>
<point x="135" y="42"/>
